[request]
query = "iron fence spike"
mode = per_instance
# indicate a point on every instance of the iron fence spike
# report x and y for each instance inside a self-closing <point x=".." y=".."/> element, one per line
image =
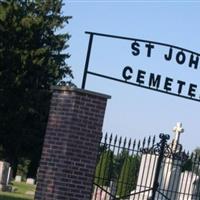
<point x="106" y="136"/>
<point x="143" y="143"/>
<point x="115" y="140"/>
<point x="125" y="142"/>
<point x="154" y="139"/>
<point x="120" y="141"/>
<point x="192" y="155"/>
<point x="139" y="144"/>
<point x="149" y="140"/>
<point x="195" y="158"/>
<point x="134" y="142"/>
<point x="129" y="143"/>
<point x="111" y="137"/>
<point x="181" y="148"/>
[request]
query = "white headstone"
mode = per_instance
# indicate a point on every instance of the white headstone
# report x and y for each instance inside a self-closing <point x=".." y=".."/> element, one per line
<point x="169" y="178"/>
<point x="169" y="174"/>
<point x="5" y="175"/>
<point x="101" y="194"/>
<point x="18" y="178"/>
<point x="4" y="170"/>
<point x="30" y="181"/>
<point x="145" y="177"/>
<point x="189" y="186"/>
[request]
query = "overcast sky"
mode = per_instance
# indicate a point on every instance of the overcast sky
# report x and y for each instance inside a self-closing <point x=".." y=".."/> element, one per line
<point x="133" y="111"/>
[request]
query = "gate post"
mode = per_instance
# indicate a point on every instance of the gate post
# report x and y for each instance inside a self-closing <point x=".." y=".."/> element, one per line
<point x="71" y="143"/>
<point x="162" y="143"/>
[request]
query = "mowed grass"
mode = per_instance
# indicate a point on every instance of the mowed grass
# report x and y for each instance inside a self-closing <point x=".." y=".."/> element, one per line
<point x="19" y="193"/>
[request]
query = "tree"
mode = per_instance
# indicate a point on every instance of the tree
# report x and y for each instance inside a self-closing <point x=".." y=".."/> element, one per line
<point x="104" y="168"/>
<point x="31" y="60"/>
<point x="118" y="163"/>
<point x="128" y="176"/>
<point x="197" y="151"/>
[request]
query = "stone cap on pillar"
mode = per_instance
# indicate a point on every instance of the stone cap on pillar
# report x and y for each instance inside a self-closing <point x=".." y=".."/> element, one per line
<point x="74" y="89"/>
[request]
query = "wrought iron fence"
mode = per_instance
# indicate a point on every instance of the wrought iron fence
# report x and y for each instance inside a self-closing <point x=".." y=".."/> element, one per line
<point x="145" y="170"/>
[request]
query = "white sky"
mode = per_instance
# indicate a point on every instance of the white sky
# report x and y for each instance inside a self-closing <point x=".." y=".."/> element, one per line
<point x="135" y="112"/>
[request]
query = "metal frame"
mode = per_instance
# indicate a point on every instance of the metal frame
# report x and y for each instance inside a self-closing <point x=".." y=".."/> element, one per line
<point x="87" y="71"/>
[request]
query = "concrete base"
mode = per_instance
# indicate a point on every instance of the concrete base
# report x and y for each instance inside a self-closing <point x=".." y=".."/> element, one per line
<point x="5" y="188"/>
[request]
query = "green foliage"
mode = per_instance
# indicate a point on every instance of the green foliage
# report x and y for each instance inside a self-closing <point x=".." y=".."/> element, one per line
<point x="32" y="58"/>
<point x="128" y="176"/>
<point x="121" y="169"/>
<point x="187" y="165"/>
<point x="11" y="196"/>
<point x="118" y="163"/>
<point x="104" y="168"/>
<point x="31" y="50"/>
<point x="22" y="168"/>
<point x="22" y="187"/>
<point x="197" y="151"/>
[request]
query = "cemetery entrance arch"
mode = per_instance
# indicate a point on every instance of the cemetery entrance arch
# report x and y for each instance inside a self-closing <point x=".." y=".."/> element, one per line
<point x="154" y="81"/>
<point x="147" y="170"/>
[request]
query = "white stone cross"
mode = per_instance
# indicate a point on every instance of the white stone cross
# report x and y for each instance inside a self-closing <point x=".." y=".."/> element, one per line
<point x="178" y="129"/>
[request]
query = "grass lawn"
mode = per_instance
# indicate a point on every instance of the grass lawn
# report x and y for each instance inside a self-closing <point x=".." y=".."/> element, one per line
<point x="19" y="193"/>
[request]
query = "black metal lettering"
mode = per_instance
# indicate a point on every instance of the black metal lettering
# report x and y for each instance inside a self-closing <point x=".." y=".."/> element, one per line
<point x="140" y="76"/>
<point x="149" y="47"/>
<point x="126" y="70"/>
<point x="180" y="87"/>
<point x="180" y="57"/>
<point x="194" y="61"/>
<point x="136" y="50"/>
<point x="192" y="90"/>
<point x="169" y="56"/>
<point x="168" y="84"/>
<point x="155" y="82"/>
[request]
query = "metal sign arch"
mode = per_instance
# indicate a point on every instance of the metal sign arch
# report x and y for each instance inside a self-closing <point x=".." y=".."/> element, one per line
<point x="154" y="85"/>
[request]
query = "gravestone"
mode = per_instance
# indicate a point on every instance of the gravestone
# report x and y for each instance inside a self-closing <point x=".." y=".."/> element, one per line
<point x="4" y="175"/>
<point x="18" y="178"/>
<point x="171" y="167"/>
<point x="145" y="177"/>
<point x="169" y="175"/>
<point x="189" y="186"/>
<point x="101" y="194"/>
<point x="169" y="178"/>
<point x="30" y="181"/>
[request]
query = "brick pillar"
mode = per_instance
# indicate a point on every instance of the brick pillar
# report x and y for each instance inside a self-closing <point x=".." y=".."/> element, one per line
<point x="73" y="134"/>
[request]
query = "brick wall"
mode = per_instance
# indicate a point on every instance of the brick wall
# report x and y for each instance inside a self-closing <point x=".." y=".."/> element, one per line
<point x="71" y="145"/>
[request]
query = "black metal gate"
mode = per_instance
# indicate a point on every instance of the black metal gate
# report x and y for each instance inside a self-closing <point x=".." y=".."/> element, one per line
<point x="146" y="170"/>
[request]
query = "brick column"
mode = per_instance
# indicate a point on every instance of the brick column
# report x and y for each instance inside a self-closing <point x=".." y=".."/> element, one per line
<point x="73" y="134"/>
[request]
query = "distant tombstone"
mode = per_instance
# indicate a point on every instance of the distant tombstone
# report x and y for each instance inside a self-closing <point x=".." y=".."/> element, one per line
<point x="4" y="175"/>
<point x="30" y="181"/>
<point x="4" y="169"/>
<point x="169" y="174"/>
<point x="30" y="193"/>
<point x="101" y="194"/>
<point x="18" y="178"/>
<point x="145" y="177"/>
<point x="169" y="178"/>
<point x="189" y="186"/>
